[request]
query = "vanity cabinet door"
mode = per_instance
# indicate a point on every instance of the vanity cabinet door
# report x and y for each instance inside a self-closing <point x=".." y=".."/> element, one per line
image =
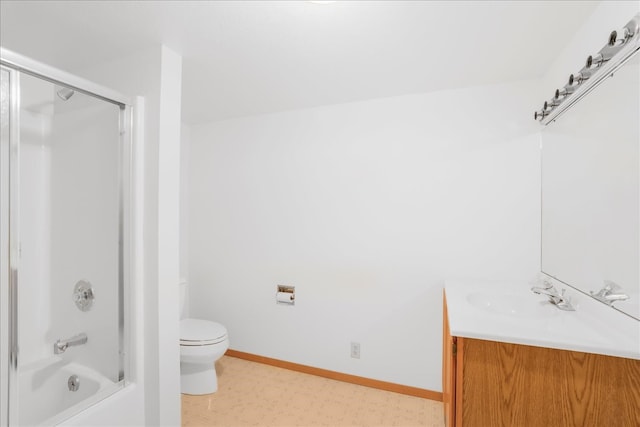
<point x="518" y="385"/>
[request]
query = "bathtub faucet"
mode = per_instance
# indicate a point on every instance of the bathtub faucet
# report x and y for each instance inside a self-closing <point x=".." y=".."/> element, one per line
<point x="61" y="346"/>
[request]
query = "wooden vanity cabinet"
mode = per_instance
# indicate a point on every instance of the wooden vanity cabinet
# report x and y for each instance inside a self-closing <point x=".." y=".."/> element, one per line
<point x="488" y="383"/>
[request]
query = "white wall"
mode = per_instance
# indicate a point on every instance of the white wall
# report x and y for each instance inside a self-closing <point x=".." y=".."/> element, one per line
<point x="166" y="312"/>
<point x="366" y="208"/>
<point x="185" y="138"/>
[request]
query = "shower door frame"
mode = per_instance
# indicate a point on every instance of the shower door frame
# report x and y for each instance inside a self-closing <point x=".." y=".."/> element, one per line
<point x="6" y="312"/>
<point x="16" y="65"/>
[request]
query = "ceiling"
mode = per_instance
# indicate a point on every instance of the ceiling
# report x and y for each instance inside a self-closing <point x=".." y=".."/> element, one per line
<point x="245" y="58"/>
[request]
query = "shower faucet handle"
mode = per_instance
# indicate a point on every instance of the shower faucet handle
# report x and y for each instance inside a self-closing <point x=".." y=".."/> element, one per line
<point x="83" y="295"/>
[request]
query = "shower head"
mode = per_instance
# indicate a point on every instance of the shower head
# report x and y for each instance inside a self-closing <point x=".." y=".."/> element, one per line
<point x="65" y="93"/>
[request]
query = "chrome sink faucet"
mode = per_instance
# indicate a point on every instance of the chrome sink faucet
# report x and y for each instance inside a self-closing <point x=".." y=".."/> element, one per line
<point x="61" y="346"/>
<point x="611" y="293"/>
<point x="555" y="298"/>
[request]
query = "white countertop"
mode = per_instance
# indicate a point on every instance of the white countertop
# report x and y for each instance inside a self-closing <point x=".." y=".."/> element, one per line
<point x="509" y="312"/>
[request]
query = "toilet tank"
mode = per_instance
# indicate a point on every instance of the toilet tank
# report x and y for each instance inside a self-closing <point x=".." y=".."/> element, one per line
<point x="184" y="299"/>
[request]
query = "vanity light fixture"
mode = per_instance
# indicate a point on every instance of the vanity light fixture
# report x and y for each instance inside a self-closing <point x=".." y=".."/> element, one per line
<point x="621" y="45"/>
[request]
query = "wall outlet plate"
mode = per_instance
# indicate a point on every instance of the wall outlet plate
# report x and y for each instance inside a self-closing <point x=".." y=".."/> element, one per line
<point x="355" y="350"/>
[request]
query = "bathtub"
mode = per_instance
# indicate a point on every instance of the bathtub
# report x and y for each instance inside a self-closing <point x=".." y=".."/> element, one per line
<point x="44" y="397"/>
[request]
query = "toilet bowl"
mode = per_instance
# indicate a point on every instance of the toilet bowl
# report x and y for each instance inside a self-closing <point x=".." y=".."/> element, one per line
<point x="202" y="342"/>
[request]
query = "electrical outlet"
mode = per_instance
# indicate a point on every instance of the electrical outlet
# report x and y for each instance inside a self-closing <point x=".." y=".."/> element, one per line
<point x="355" y="350"/>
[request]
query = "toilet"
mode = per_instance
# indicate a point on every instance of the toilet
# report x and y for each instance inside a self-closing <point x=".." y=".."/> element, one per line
<point x="202" y="342"/>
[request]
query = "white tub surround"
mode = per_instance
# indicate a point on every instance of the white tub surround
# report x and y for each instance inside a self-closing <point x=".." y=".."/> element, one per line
<point x="46" y="382"/>
<point x="510" y="312"/>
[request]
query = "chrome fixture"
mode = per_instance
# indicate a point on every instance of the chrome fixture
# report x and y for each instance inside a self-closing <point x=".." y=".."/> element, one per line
<point x="565" y="91"/>
<point x="83" y="295"/>
<point x="65" y="93"/>
<point x="61" y="346"/>
<point x="579" y="78"/>
<point x="548" y="105"/>
<point x="620" y="36"/>
<point x="73" y="383"/>
<point x="610" y="293"/>
<point x="594" y="61"/>
<point x="621" y="45"/>
<point x="555" y="298"/>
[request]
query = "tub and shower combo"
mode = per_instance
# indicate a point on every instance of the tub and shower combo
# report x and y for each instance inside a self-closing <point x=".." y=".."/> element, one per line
<point x="64" y="243"/>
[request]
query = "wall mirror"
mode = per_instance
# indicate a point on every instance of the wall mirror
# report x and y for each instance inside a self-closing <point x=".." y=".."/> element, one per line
<point x="591" y="190"/>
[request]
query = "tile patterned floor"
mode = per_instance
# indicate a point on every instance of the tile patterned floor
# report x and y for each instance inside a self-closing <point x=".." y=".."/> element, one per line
<point x="254" y="394"/>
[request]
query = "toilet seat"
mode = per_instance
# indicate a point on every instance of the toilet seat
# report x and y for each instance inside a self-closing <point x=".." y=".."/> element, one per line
<point x="198" y="332"/>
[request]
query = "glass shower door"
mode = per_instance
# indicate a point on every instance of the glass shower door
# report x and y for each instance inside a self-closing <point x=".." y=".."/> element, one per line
<point x="68" y="194"/>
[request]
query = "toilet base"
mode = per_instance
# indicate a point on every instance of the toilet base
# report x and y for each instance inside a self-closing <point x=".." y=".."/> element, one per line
<point x="198" y="378"/>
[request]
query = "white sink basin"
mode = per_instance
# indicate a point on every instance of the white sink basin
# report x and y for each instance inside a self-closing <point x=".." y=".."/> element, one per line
<point x="505" y="304"/>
